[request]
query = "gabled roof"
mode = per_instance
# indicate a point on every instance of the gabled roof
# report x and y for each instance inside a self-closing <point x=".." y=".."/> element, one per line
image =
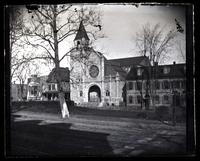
<point x="33" y="79"/>
<point x="63" y="73"/>
<point x="113" y="66"/>
<point x="81" y="33"/>
<point x="112" y="69"/>
<point x="130" y="61"/>
<point x="132" y="74"/>
<point x="175" y="71"/>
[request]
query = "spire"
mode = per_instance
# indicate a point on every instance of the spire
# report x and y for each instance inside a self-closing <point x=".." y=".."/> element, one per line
<point x="81" y="33"/>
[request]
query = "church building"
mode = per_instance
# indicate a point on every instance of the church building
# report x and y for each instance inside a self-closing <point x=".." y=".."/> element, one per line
<point x="95" y="80"/>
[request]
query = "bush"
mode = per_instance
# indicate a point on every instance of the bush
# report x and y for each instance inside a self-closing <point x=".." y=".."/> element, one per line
<point x="162" y="113"/>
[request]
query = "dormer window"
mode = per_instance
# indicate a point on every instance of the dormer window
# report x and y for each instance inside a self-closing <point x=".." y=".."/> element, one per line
<point x="139" y="71"/>
<point x="166" y="70"/>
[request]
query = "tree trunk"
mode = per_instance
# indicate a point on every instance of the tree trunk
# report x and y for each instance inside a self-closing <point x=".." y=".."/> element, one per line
<point x="63" y="104"/>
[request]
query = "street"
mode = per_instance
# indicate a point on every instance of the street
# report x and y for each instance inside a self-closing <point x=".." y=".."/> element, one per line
<point x="47" y="134"/>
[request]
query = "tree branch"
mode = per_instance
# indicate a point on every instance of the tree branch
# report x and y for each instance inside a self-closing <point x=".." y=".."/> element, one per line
<point x="66" y="35"/>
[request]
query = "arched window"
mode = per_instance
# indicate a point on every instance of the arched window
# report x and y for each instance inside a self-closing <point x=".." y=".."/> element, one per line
<point x="107" y="93"/>
<point x="81" y="93"/>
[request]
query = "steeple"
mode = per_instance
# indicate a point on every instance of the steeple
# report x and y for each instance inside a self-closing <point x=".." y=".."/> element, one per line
<point x="81" y="38"/>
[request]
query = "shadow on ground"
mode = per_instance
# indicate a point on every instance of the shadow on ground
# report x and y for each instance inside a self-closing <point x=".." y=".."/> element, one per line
<point x="34" y="138"/>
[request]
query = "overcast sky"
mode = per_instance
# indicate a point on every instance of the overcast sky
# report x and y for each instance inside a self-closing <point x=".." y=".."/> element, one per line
<point x="121" y="22"/>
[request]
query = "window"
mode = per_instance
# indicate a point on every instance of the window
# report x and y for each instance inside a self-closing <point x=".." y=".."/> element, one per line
<point x="35" y="90"/>
<point x="139" y="71"/>
<point x="107" y="93"/>
<point x="130" y="99"/>
<point x="81" y="93"/>
<point x="166" y="85"/>
<point x="49" y="87"/>
<point x="166" y="99"/>
<point x="177" y="84"/>
<point x="157" y="85"/>
<point x="53" y="87"/>
<point x="138" y="86"/>
<point x="157" y="99"/>
<point x="130" y="85"/>
<point x="139" y="100"/>
<point x="166" y="70"/>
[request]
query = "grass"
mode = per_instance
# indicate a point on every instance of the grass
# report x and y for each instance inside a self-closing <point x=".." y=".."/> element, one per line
<point x="53" y="107"/>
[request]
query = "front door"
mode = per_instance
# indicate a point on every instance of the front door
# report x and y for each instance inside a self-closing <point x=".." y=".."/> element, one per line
<point x="94" y="94"/>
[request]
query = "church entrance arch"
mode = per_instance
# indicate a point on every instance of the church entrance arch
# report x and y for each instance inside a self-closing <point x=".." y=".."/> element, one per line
<point x="94" y="94"/>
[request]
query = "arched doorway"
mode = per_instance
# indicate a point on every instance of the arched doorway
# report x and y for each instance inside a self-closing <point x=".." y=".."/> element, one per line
<point x="94" y="94"/>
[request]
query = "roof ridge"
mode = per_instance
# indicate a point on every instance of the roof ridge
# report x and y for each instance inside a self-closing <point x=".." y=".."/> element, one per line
<point x="128" y="57"/>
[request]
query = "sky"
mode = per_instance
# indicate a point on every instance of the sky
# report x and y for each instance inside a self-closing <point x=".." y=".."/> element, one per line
<point x="120" y="23"/>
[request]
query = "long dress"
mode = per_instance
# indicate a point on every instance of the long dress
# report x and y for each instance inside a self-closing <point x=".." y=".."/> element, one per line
<point x="63" y="105"/>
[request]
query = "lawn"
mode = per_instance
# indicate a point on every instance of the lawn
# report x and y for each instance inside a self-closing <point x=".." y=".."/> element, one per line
<point x="41" y="131"/>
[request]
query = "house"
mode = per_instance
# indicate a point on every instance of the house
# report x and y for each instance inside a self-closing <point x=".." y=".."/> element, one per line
<point x="156" y="86"/>
<point x="50" y="88"/>
<point x="45" y="87"/>
<point x="34" y="88"/>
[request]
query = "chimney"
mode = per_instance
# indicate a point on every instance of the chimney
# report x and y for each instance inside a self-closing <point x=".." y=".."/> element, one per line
<point x="174" y="62"/>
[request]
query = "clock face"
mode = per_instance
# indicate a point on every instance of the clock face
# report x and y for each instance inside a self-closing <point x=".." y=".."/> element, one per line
<point x="94" y="71"/>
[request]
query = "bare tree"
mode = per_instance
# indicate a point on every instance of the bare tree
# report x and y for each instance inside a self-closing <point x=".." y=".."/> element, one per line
<point x="155" y="42"/>
<point x="49" y="25"/>
<point x="180" y="47"/>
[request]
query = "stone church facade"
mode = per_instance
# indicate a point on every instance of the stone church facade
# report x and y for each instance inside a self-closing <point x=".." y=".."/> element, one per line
<point x="95" y="79"/>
